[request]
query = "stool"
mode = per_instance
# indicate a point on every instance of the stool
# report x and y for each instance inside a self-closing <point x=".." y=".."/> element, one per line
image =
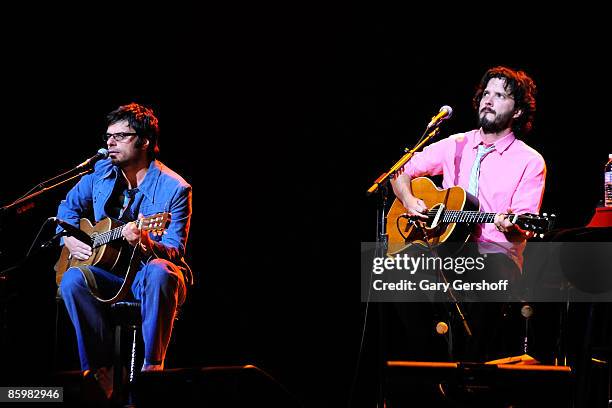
<point x="124" y="315"/>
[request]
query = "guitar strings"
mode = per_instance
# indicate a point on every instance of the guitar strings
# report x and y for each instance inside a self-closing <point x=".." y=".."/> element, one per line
<point x="460" y="215"/>
<point x="106" y="237"/>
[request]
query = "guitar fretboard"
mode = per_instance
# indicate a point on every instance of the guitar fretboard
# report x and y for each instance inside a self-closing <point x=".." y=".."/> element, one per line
<point x="464" y="216"/>
<point x="106" y="237"/>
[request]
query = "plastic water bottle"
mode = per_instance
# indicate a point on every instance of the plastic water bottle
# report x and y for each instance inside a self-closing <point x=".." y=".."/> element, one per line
<point x="608" y="183"/>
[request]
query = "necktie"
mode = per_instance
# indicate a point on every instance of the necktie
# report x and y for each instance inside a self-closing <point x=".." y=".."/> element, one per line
<point x="475" y="174"/>
<point x="128" y="199"/>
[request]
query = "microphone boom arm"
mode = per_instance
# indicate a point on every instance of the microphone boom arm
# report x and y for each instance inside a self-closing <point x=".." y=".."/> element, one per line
<point x="44" y="189"/>
<point x="81" y="169"/>
<point x="383" y="178"/>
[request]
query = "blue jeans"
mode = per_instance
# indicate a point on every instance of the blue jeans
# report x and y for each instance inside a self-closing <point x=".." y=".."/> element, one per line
<point x="158" y="285"/>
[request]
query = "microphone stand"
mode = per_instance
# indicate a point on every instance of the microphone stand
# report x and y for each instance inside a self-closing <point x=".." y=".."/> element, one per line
<point x="23" y="204"/>
<point x="382" y="243"/>
<point x="383" y="178"/>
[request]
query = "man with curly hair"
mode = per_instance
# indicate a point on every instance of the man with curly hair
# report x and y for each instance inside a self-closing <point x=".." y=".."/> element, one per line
<point x="494" y="165"/>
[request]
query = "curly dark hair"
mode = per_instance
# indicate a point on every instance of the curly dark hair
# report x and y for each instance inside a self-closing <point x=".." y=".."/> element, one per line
<point x="143" y="121"/>
<point x="523" y="90"/>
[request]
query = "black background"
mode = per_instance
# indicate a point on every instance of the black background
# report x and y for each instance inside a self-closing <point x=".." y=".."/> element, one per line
<point x="280" y="117"/>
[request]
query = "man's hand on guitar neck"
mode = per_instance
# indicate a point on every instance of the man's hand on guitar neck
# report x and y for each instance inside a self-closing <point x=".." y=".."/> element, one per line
<point x="133" y="235"/>
<point x="512" y="231"/>
<point x="503" y="224"/>
<point x="78" y="250"/>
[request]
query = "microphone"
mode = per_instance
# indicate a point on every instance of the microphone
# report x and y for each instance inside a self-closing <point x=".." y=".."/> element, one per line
<point x="102" y="154"/>
<point x="445" y="113"/>
<point x="71" y="230"/>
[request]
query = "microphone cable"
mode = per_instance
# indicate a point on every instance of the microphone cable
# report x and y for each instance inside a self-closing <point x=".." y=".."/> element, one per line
<point x="362" y="339"/>
<point x="36" y="239"/>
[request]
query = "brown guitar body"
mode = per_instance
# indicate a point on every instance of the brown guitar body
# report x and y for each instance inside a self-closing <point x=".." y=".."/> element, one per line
<point x="105" y="256"/>
<point x="110" y="252"/>
<point x="403" y="234"/>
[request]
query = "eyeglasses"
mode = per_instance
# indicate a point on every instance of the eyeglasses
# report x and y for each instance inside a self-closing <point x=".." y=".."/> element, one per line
<point x="119" y="137"/>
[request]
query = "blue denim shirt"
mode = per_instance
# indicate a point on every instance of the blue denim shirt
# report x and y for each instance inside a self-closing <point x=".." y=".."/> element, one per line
<point x="163" y="191"/>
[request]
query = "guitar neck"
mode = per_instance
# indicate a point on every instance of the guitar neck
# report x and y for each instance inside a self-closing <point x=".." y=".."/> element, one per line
<point x="155" y="223"/>
<point x="108" y="236"/>
<point x="477" y="217"/>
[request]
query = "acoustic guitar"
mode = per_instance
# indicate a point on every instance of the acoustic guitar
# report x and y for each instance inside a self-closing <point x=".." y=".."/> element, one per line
<point x="452" y="214"/>
<point x="109" y="250"/>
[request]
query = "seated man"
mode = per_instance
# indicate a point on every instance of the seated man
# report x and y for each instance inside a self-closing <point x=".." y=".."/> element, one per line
<point x="494" y="165"/>
<point x="130" y="182"/>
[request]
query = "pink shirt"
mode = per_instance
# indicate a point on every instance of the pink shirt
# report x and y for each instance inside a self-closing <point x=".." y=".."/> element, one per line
<point x="511" y="177"/>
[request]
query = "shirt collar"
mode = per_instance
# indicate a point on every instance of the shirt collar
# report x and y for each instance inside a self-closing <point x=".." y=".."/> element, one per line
<point x="501" y="145"/>
<point x="149" y="183"/>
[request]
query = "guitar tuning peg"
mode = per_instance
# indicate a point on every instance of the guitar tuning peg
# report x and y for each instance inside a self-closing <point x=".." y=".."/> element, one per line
<point x="541" y="235"/>
<point x="545" y="215"/>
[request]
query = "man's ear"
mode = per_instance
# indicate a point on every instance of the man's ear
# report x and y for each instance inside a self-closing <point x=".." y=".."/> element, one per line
<point x="145" y="144"/>
<point x="517" y="114"/>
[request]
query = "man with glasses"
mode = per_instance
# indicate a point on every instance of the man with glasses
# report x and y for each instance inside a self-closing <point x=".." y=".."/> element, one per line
<point x="130" y="183"/>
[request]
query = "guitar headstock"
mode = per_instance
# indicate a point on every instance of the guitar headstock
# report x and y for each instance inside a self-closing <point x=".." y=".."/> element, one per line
<point x="156" y="224"/>
<point x="536" y="224"/>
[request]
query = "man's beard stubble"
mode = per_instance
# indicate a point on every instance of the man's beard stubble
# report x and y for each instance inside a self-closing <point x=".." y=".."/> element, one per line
<point x="500" y="122"/>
